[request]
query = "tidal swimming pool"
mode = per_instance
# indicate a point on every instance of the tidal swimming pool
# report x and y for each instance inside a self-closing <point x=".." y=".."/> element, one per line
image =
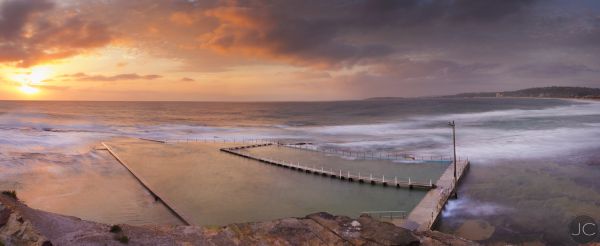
<point x="215" y="188"/>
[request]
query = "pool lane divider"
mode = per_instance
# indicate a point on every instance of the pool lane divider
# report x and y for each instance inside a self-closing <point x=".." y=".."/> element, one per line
<point x="341" y="175"/>
<point x="153" y="140"/>
<point x="181" y="216"/>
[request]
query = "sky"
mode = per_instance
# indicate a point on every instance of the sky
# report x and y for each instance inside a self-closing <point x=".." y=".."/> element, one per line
<point x="247" y="50"/>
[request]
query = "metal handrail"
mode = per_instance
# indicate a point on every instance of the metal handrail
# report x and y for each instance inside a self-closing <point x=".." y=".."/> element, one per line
<point x="387" y="214"/>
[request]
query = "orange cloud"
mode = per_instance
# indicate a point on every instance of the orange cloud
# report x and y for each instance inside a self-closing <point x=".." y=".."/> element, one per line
<point x="182" y="19"/>
<point x="31" y="32"/>
<point x="118" y="77"/>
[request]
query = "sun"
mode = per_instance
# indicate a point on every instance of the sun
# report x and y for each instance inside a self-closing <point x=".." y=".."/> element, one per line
<point x="30" y="81"/>
<point x="28" y="90"/>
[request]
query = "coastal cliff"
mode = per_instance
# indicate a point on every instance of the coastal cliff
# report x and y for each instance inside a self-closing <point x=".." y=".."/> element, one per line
<point x="21" y="225"/>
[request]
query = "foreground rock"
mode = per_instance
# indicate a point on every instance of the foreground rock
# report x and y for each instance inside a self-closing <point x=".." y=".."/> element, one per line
<point x="21" y="225"/>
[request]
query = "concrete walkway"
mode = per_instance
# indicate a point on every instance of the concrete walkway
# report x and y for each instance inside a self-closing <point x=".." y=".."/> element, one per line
<point x="429" y="209"/>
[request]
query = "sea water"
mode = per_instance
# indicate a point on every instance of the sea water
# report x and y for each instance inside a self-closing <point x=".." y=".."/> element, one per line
<point x="534" y="162"/>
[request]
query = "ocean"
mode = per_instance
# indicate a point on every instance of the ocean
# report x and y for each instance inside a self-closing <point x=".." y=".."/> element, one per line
<point x="534" y="162"/>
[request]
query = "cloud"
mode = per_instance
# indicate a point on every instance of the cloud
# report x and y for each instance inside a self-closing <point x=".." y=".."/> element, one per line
<point x="35" y="31"/>
<point x="553" y="70"/>
<point x="310" y="75"/>
<point x="186" y="79"/>
<point x="330" y="34"/>
<point x="372" y="47"/>
<point x="439" y="69"/>
<point x="16" y="14"/>
<point x="53" y="87"/>
<point x="263" y="32"/>
<point x="409" y="77"/>
<point x="118" y="77"/>
<point x="334" y="35"/>
<point x="182" y="19"/>
<point x="475" y="10"/>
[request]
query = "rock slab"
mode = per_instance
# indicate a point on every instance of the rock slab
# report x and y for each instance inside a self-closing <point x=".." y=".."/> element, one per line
<point x="21" y="225"/>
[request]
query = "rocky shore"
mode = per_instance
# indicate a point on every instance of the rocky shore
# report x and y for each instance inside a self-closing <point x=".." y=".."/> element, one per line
<point x="21" y="225"/>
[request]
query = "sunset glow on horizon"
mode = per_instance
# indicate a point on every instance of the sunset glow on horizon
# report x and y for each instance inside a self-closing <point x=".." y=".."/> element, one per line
<point x="291" y="50"/>
<point x="28" y="90"/>
<point x="28" y="81"/>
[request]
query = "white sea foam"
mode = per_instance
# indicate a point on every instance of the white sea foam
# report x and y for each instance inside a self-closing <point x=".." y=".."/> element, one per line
<point x="540" y="133"/>
<point x="514" y="133"/>
<point x="569" y="110"/>
<point x="465" y="206"/>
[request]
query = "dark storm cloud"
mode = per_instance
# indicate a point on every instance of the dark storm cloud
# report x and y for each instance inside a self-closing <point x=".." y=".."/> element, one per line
<point x="477" y="10"/>
<point x="33" y="31"/>
<point x="324" y="33"/>
<point x="464" y="45"/>
<point x="376" y="13"/>
<point x="272" y="31"/>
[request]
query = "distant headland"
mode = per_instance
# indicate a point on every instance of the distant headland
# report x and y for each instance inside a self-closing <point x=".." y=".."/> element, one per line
<point x="541" y="92"/>
<point x="537" y="92"/>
